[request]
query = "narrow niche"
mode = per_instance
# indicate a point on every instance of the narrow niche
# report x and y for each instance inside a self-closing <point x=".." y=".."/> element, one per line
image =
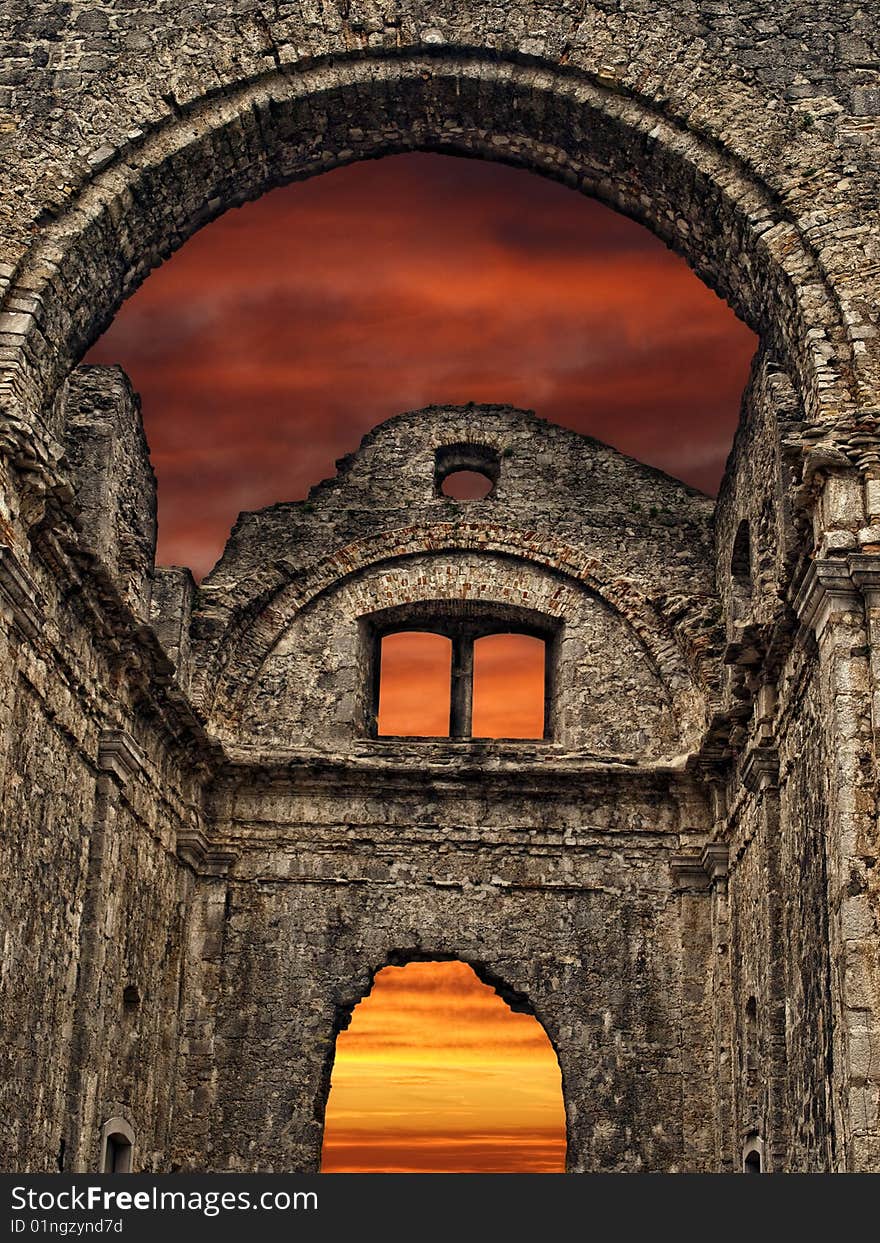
<point x="436" y="1073"/>
<point x="741" y="572"/>
<point x="753" y="1154"/>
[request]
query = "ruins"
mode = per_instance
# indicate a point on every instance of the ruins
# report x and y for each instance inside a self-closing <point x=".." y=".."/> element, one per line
<point x="208" y="849"/>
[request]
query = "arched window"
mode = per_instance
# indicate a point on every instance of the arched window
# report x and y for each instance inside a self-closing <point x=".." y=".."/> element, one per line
<point x="439" y="1072"/>
<point x="117" y="1147"/>
<point x="753" y="1154"/>
<point x="459" y="669"/>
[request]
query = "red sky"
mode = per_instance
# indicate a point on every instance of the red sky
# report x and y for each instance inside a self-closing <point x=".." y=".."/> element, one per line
<point x="277" y="336"/>
<point x="267" y="347"/>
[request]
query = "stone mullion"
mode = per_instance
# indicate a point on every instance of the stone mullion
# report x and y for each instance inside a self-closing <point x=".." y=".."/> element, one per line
<point x="462" y="696"/>
<point x="831" y="604"/>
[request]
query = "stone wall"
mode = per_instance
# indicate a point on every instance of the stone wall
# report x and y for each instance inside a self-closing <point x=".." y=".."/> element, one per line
<point x="558" y="887"/>
<point x="735" y="951"/>
<point x="636" y="538"/>
<point x="99" y="784"/>
<point x="617" y="555"/>
<point x="607" y="696"/>
<point x="797" y="819"/>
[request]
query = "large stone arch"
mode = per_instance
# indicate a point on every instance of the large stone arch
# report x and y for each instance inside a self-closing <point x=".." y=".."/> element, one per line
<point x="149" y="195"/>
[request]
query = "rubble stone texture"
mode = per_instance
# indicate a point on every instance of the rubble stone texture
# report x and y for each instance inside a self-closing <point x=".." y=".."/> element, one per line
<point x="205" y="854"/>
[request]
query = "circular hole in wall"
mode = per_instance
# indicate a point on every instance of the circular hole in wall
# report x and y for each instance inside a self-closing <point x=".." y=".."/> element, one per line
<point x="466" y="472"/>
<point x="467" y="485"/>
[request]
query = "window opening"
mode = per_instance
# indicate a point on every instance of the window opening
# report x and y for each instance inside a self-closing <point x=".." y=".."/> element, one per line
<point x="467" y="485"/>
<point x="509" y="687"/>
<point x="117" y="1147"/>
<point x="414" y="685"/>
<point x="753" y="1154"/>
<point x="458" y="669"/>
<point x="466" y="472"/>
<point x="462" y="684"/>
<point x="118" y="1155"/>
<point x="741" y="571"/>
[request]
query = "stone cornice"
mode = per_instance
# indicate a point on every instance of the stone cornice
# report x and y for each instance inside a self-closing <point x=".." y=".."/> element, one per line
<point x="119" y="755"/>
<point x="688" y="871"/>
<point x="760" y="769"/>
<point x="715" y="859"/>
<point x="700" y="869"/>
<point x="20" y="594"/>
<point x="195" y="849"/>
<point x="865" y="573"/>
<point x="827" y="588"/>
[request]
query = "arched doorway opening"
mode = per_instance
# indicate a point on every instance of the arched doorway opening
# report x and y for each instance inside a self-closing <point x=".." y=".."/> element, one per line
<point x="437" y="1073"/>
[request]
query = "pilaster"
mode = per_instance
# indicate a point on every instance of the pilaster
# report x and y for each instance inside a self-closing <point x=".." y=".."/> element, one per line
<point x="838" y="600"/>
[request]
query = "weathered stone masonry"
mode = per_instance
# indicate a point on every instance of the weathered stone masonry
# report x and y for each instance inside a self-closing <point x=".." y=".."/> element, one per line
<point x="205" y="856"/>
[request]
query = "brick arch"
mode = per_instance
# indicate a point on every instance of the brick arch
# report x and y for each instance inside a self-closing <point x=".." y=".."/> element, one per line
<point x="219" y="150"/>
<point x="681" y="660"/>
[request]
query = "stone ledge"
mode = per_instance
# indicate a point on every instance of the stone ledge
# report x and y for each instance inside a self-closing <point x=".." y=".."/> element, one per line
<point x="760" y="769"/>
<point x="716" y="859"/>
<point x="865" y="572"/>
<point x="827" y="587"/>
<point x="194" y="849"/>
<point x="20" y="593"/>
<point x="119" y="755"/>
<point x="700" y="869"/>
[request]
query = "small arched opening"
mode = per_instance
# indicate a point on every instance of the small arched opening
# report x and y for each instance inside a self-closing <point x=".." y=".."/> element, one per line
<point x="441" y="1069"/>
<point x="753" y="1154"/>
<point x="466" y="472"/>
<point x="117" y="1147"/>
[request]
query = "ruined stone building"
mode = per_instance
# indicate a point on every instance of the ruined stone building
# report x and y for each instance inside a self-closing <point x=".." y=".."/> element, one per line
<point x="207" y="851"/>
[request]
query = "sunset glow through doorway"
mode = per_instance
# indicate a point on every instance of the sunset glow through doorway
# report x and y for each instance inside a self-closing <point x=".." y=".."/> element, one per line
<point x="436" y="1074"/>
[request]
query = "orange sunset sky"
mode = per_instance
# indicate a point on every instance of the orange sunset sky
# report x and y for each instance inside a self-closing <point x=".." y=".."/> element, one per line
<point x="437" y="1072"/>
<point x="267" y="347"/>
